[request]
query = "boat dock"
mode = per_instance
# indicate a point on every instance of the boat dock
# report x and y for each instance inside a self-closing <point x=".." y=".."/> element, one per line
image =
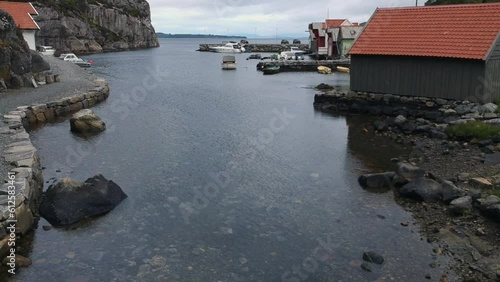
<point x="261" y="48"/>
<point x="291" y="66"/>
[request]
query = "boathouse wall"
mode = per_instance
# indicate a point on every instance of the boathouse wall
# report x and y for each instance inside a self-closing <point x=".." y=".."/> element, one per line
<point x="447" y="78"/>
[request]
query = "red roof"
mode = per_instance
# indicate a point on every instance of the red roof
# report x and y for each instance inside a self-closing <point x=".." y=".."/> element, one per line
<point x="456" y="31"/>
<point x="334" y="22"/>
<point x="21" y="12"/>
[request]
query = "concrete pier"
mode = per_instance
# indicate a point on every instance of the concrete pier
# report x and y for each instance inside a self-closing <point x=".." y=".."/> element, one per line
<point x="261" y="48"/>
<point x="290" y="65"/>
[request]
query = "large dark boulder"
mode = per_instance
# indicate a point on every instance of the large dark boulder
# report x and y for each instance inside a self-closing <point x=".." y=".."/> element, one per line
<point x="70" y="201"/>
<point x="423" y="189"/>
<point x="377" y="181"/>
<point x="86" y="122"/>
<point x="38" y="63"/>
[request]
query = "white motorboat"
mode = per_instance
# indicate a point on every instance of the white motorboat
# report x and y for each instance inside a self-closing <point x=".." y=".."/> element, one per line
<point x="228" y="63"/>
<point x="293" y="54"/>
<point x="46" y="50"/>
<point x="70" y="57"/>
<point x="230" y="47"/>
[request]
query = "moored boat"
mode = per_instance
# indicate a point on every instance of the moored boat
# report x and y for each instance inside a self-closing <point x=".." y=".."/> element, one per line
<point x="271" y="69"/>
<point x="228" y="63"/>
<point x="230" y="47"/>
<point x="343" y="69"/>
<point x="324" y="70"/>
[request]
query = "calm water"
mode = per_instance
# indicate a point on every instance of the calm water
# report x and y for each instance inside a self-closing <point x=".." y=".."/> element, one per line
<point x="231" y="176"/>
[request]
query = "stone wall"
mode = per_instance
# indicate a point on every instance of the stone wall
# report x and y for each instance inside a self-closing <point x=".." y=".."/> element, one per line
<point x="23" y="156"/>
<point x="262" y="48"/>
<point x="434" y="109"/>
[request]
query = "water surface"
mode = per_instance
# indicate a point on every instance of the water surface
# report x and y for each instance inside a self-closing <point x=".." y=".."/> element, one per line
<point x="231" y="176"/>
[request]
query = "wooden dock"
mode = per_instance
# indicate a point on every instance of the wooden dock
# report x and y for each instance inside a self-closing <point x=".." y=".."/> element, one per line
<point x="292" y="66"/>
<point x="260" y="48"/>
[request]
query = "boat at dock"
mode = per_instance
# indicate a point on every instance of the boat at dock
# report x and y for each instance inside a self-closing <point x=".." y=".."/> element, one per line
<point x="228" y="63"/>
<point x="230" y="47"/>
<point x="293" y="54"/>
<point x="343" y="69"/>
<point x="254" y="57"/>
<point x="271" y="69"/>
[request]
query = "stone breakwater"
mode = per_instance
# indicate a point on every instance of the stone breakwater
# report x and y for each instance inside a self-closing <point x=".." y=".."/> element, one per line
<point x="262" y="48"/>
<point x="405" y="114"/>
<point x="23" y="156"/>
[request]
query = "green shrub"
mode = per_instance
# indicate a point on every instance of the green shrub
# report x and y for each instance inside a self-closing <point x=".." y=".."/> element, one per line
<point x="474" y="130"/>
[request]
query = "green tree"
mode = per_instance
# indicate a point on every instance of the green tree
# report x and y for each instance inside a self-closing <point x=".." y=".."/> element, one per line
<point x="448" y="2"/>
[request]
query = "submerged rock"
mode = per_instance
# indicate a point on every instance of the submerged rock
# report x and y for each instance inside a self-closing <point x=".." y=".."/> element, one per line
<point x="70" y="201"/>
<point x="85" y="121"/>
<point x="373" y="257"/>
<point x="324" y="86"/>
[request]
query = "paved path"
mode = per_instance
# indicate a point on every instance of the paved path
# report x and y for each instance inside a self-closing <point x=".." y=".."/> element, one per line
<point x="74" y="80"/>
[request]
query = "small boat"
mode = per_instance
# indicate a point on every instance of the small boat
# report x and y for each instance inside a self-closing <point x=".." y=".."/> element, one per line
<point x="271" y="69"/>
<point x="46" y="50"/>
<point x="228" y="63"/>
<point x="70" y="57"/>
<point x="343" y="69"/>
<point x="293" y="54"/>
<point x="324" y="70"/>
<point x="230" y="47"/>
<point x="254" y="57"/>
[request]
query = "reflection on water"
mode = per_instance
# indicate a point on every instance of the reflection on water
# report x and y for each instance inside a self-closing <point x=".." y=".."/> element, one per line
<point x="231" y="176"/>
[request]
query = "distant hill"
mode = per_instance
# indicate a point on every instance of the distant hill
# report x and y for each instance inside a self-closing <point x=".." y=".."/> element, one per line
<point x="169" y="35"/>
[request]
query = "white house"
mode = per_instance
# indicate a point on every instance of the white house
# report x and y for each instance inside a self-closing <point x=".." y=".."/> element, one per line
<point x="22" y="13"/>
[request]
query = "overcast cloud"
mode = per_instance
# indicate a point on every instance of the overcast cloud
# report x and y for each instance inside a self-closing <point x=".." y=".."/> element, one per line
<point x="243" y="16"/>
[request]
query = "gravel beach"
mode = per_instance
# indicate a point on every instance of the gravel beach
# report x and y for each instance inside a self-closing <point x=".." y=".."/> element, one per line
<point x="74" y="80"/>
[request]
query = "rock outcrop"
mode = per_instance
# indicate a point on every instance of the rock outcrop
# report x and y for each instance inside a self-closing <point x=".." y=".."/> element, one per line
<point x="89" y="26"/>
<point x="70" y="201"/>
<point x="16" y="59"/>
<point x="85" y="121"/>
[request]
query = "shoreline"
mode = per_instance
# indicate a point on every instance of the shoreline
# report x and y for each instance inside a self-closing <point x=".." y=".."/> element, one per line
<point x="21" y="159"/>
<point x="470" y="240"/>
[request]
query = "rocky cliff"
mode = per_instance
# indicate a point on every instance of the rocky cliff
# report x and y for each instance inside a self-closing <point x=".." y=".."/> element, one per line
<point x="17" y="62"/>
<point x="87" y="26"/>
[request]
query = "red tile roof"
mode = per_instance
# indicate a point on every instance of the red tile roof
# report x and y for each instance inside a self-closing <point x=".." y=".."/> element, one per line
<point x="456" y="31"/>
<point x="21" y="12"/>
<point x="334" y="22"/>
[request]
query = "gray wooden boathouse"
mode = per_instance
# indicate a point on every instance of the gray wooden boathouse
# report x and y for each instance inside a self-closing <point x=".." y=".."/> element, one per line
<point x="448" y="51"/>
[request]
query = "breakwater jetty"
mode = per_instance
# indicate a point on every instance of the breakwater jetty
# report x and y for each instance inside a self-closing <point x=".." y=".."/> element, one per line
<point x="262" y="48"/>
<point x="291" y="65"/>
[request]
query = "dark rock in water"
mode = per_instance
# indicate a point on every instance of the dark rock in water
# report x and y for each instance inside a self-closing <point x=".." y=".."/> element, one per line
<point x="69" y="201"/>
<point x="409" y="171"/>
<point x="450" y="192"/>
<point x="85" y="121"/>
<point x="376" y="180"/>
<point x="20" y="261"/>
<point x="324" y="86"/>
<point x="366" y="267"/>
<point x="422" y="189"/>
<point x="373" y="257"/>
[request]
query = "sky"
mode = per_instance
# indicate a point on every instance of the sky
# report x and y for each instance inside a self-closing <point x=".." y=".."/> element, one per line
<point x="258" y="17"/>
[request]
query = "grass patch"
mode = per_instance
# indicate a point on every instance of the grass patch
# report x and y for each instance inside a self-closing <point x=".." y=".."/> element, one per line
<point x="474" y="130"/>
<point x="496" y="192"/>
